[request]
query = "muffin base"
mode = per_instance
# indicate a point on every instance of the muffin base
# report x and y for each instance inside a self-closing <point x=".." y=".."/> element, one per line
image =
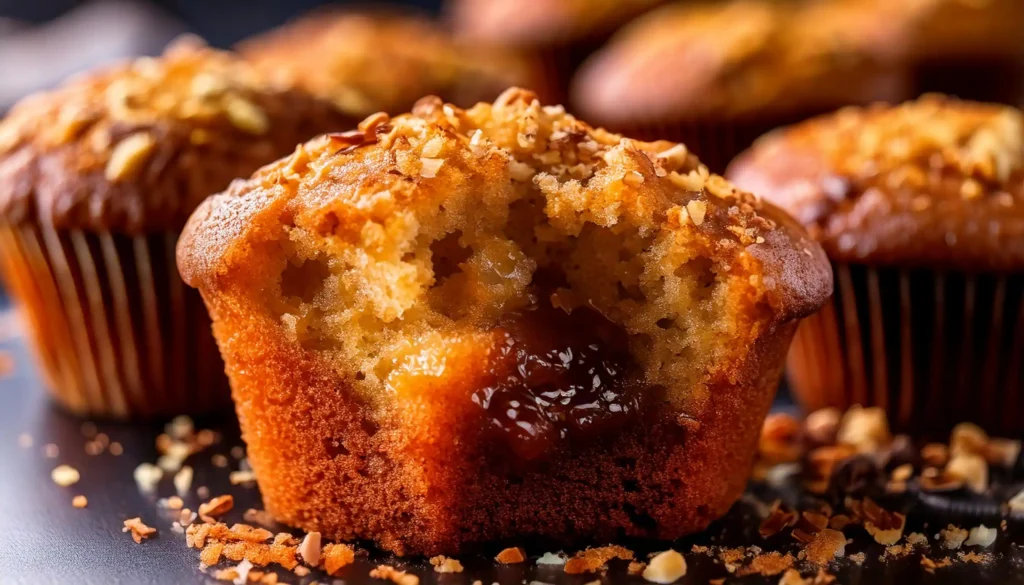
<point x="421" y="480"/>
<point x="115" y="331"/>
<point x="995" y="80"/>
<point x="931" y="348"/>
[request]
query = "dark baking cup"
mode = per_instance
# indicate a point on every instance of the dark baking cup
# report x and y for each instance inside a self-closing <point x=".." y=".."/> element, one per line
<point x="985" y="79"/>
<point x="116" y="332"/>
<point x="932" y="348"/>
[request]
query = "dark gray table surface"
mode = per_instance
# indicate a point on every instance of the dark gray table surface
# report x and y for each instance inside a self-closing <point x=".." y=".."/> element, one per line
<point x="43" y="539"/>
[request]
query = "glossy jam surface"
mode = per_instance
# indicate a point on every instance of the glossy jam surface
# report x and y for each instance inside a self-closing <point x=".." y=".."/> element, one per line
<point x="558" y="379"/>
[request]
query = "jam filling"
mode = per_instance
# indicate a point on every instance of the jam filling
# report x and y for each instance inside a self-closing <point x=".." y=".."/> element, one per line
<point x="557" y="379"/>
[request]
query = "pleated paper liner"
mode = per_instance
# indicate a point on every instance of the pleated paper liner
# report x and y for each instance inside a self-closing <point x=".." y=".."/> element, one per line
<point x="932" y="348"/>
<point x="116" y="332"/>
<point x="996" y="80"/>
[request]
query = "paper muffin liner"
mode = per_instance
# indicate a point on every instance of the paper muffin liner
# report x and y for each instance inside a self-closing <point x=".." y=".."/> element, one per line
<point x="932" y="348"/>
<point x="115" y="331"/>
<point x="997" y="80"/>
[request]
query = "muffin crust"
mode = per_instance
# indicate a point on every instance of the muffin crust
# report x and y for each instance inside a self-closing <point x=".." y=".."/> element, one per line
<point x="389" y="257"/>
<point x="934" y="182"/>
<point x="136" y="147"/>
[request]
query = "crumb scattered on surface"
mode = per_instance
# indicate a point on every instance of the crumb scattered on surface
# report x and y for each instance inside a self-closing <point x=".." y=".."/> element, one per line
<point x="65" y="475"/>
<point x="826" y="546"/>
<point x="665" y="567"/>
<point x="550" y="558"/>
<point x="511" y="556"/>
<point x="443" y="564"/>
<point x="595" y="559"/>
<point x="79" y="501"/>
<point x="309" y="549"/>
<point x="218" y="506"/>
<point x="147" y="476"/>
<point x="768" y="564"/>
<point x="336" y="556"/>
<point x="636" y="567"/>
<point x="389" y="573"/>
<point x="931" y="564"/>
<point x="138" y="529"/>
<point x="951" y="537"/>
<point x="981" y="536"/>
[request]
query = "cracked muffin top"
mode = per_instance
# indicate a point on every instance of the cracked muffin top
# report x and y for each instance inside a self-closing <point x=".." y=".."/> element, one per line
<point x="442" y="221"/>
<point x="743" y="57"/>
<point x="368" y="62"/>
<point x="935" y="181"/>
<point x="136" y="147"/>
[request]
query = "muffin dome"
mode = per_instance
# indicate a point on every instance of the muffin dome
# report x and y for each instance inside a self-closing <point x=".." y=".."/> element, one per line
<point x="455" y="326"/>
<point x="742" y="58"/>
<point x="368" y="62"/>
<point x="136" y="147"/>
<point x="935" y="182"/>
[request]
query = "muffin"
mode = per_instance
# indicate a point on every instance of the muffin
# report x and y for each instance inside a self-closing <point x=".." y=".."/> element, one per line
<point x="717" y="76"/>
<point x="560" y="32"/>
<point x="367" y="62"/>
<point x="919" y="207"/>
<point x="96" y="180"/>
<point x="972" y="50"/>
<point x="499" y="322"/>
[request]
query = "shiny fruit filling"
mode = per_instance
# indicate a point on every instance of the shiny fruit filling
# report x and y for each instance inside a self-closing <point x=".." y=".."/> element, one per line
<point x="555" y="379"/>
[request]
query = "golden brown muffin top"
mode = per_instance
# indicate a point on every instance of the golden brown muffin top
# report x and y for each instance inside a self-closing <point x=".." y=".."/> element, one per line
<point x="935" y="182"/>
<point x="541" y="23"/>
<point x="137" y="146"/>
<point x="742" y="57"/>
<point x="445" y="218"/>
<point x="382" y="62"/>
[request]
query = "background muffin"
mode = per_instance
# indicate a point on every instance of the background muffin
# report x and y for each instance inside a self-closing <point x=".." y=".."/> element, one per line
<point x="420" y="279"/>
<point x="716" y="76"/>
<point x="920" y="208"/>
<point x="973" y="50"/>
<point x="560" y="32"/>
<point x="368" y="62"/>
<point x="96" y="179"/>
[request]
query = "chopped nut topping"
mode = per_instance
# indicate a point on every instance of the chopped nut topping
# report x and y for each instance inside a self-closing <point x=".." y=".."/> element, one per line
<point x="595" y="559"/>
<point x="972" y="469"/>
<point x="183" y="480"/>
<point x="139" y="530"/>
<point x="778" y="518"/>
<point x="665" y="567"/>
<point x="309" y="550"/>
<point x="430" y="166"/>
<point x="245" y="115"/>
<point x="336" y="556"/>
<point x="65" y="475"/>
<point x="147" y="476"/>
<point x="952" y="537"/>
<point x="511" y="556"/>
<point x="636" y="568"/>
<point x="884" y="526"/>
<point x="865" y="429"/>
<point x="129" y="155"/>
<point x="981" y="536"/>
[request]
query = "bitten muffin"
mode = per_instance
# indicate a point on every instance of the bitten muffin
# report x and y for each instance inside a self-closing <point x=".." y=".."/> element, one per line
<point x="973" y="50"/>
<point x="921" y="209"/>
<point x="458" y="326"/>
<point x="560" y="32"/>
<point x="96" y="180"/>
<point x="717" y="76"/>
<point x="367" y="62"/>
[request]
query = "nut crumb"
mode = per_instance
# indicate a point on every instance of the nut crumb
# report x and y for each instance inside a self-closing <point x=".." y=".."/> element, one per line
<point x="665" y="567"/>
<point x="309" y="550"/>
<point x="951" y="537"/>
<point x="443" y="564"/>
<point x="147" y="476"/>
<point x="595" y="559"/>
<point x="511" y="556"/>
<point x="636" y="567"/>
<point x="139" y="530"/>
<point x="128" y="156"/>
<point x="392" y="574"/>
<point x="216" y="507"/>
<point x="65" y="475"/>
<point x="336" y="556"/>
<point x="79" y="501"/>
<point x="981" y="536"/>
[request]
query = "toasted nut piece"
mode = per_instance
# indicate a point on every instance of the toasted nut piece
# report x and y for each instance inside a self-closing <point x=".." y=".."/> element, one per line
<point x="665" y="567"/>
<point x="65" y="475"/>
<point x="981" y="536"/>
<point x="935" y="454"/>
<point x="951" y="537"/>
<point x="511" y="556"/>
<point x="779" y="517"/>
<point x="309" y="550"/>
<point x="443" y="564"/>
<point x="245" y="115"/>
<point x="866" y="429"/>
<point x="128" y="156"/>
<point x="216" y="507"/>
<point x="821" y="426"/>
<point x="935" y="480"/>
<point x="967" y="438"/>
<point x="970" y="468"/>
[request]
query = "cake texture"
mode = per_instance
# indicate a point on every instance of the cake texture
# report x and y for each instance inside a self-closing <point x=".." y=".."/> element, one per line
<point x="97" y="178"/>
<point x="919" y="207"/>
<point x="717" y="75"/>
<point x="456" y="326"/>
<point x="379" y="61"/>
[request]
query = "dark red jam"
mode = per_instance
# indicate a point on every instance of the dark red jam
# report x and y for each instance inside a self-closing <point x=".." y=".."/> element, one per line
<point x="558" y="379"/>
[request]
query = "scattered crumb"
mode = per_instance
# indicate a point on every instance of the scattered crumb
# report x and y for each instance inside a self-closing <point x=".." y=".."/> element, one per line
<point x="665" y="567"/>
<point x="952" y="537"/>
<point x="858" y="558"/>
<point x="636" y="568"/>
<point x="768" y="564"/>
<point x="216" y="507"/>
<point x="916" y="539"/>
<point x="511" y="556"/>
<point x="147" y="476"/>
<point x="139" y="530"/>
<point x="827" y="545"/>
<point x="336" y="556"/>
<point x="981" y="536"/>
<point x="309" y="550"/>
<point x="595" y="559"/>
<point x="551" y="559"/>
<point x="79" y="501"/>
<point x="183" y="480"/>
<point x="243" y="476"/>
<point x="65" y="475"/>
<point x="443" y="564"/>
<point x="392" y="574"/>
<point x="930" y="564"/>
<point x="974" y="557"/>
